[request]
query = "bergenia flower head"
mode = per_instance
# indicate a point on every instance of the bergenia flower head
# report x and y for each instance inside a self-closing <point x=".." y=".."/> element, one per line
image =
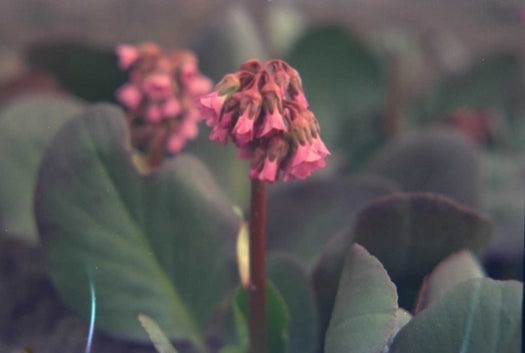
<point x="263" y="110"/>
<point x="159" y="97"/>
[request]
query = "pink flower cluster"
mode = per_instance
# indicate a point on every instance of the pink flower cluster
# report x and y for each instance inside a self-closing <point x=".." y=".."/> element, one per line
<point x="160" y="96"/>
<point x="262" y="108"/>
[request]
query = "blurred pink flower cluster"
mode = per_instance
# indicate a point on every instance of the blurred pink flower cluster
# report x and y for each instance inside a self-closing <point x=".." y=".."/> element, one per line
<point x="262" y="108"/>
<point x="160" y="96"/>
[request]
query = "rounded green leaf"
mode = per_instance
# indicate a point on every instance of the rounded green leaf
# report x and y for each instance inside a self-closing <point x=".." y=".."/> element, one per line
<point x="450" y="272"/>
<point x="412" y="233"/>
<point x="364" y="314"/>
<point x="343" y="81"/>
<point x="162" y="244"/>
<point x="303" y="216"/>
<point x="478" y="316"/>
<point x="277" y="318"/>
<point x="436" y="161"/>
<point x="27" y="125"/>
<point x="290" y="278"/>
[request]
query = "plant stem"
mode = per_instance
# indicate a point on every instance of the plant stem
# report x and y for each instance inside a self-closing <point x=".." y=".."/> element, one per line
<point x="257" y="288"/>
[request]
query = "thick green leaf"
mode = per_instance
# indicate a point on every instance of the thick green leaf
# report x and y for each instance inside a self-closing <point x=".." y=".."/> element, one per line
<point x="161" y="244"/>
<point x="277" y="318"/>
<point x="436" y="161"/>
<point x="290" y="278"/>
<point x="230" y="42"/>
<point x="478" y="316"/>
<point x="488" y="83"/>
<point x="230" y="171"/>
<point x="88" y="72"/>
<point x="342" y="79"/>
<point x="364" y="314"/>
<point x="157" y="336"/>
<point x="283" y="24"/>
<point x="412" y="233"/>
<point x="456" y="268"/>
<point x="303" y="216"/>
<point x="26" y="127"/>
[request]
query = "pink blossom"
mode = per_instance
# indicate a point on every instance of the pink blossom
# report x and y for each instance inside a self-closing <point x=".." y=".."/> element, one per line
<point x="127" y="55"/>
<point x="243" y="130"/>
<point x="188" y="129"/>
<point x="157" y="86"/>
<point x="175" y="143"/>
<point x="272" y="122"/>
<point x="269" y="171"/>
<point x="171" y="107"/>
<point x="130" y="96"/>
<point x="306" y="159"/>
<point x="154" y="113"/>
<point x="219" y="134"/>
<point x="194" y="83"/>
<point x="300" y="99"/>
<point x="211" y="106"/>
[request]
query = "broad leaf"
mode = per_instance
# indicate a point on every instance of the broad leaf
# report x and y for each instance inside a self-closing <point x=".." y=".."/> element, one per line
<point x="435" y="161"/>
<point x="303" y="216"/>
<point x="478" y="316"/>
<point x="364" y="314"/>
<point x="489" y="83"/>
<point x="412" y="233"/>
<point x="228" y="43"/>
<point x="161" y="244"/>
<point x="344" y="82"/>
<point x="277" y="318"/>
<point x="450" y="272"/>
<point x="290" y="278"/>
<point x="88" y="72"/>
<point x="157" y="336"/>
<point x="26" y="127"/>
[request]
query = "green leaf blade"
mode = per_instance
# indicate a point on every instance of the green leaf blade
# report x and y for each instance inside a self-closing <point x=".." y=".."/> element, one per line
<point x="364" y="314"/>
<point x="140" y="235"/>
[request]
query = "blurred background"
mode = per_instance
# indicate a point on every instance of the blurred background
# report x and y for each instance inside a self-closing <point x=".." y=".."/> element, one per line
<point x="427" y="94"/>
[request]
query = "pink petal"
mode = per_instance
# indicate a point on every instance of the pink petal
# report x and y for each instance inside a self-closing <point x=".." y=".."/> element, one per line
<point x="175" y="143"/>
<point x="130" y="96"/>
<point x="157" y="85"/>
<point x="300" y="99"/>
<point x="171" y="107"/>
<point x="269" y="172"/>
<point x="271" y="122"/>
<point x="243" y="130"/>
<point x="154" y="113"/>
<point x="245" y="152"/>
<point x="211" y="106"/>
<point x="188" y="129"/>
<point x="127" y="55"/>
<point x="219" y="134"/>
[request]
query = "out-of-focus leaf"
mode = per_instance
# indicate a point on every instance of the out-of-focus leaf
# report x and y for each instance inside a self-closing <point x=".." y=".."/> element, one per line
<point x="156" y="335"/>
<point x="364" y="313"/>
<point x="433" y="161"/>
<point x="456" y="268"/>
<point x="304" y="215"/>
<point x="344" y="82"/>
<point x="283" y="24"/>
<point x="412" y="233"/>
<point x="161" y="244"/>
<point x="229" y="42"/>
<point x="486" y="84"/>
<point x="88" y="72"/>
<point x="26" y="127"/>
<point x="230" y="171"/>
<point x="290" y="278"/>
<point x="478" y="316"/>
<point x="277" y="318"/>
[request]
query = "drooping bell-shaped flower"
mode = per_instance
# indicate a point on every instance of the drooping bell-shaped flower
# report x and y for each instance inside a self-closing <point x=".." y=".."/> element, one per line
<point x="263" y="110"/>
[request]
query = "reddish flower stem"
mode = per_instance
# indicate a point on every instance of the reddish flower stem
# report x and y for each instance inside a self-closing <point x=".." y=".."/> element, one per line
<point x="257" y="288"/>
